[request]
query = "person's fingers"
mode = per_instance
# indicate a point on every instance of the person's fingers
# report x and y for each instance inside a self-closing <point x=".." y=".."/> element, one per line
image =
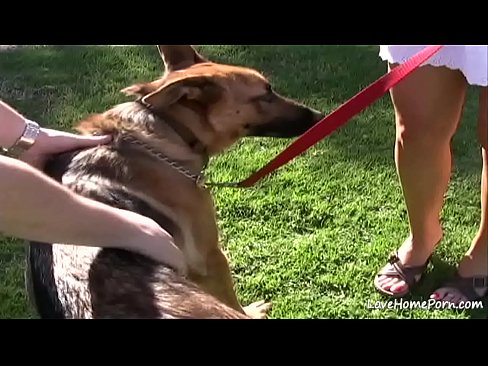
<point x="80" y="141"/>
<point x="54" y="142"/>
<point x="166" y="251"/>
<point x="178" y="262"/>
<point x="94" y="139"/>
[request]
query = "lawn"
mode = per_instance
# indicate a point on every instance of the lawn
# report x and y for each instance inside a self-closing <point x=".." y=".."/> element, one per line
<point x="311" y="237"/>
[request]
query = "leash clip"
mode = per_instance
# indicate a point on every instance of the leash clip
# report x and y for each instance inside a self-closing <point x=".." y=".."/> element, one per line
<point x="222" y="185"/>
<point x="200" y="181"/>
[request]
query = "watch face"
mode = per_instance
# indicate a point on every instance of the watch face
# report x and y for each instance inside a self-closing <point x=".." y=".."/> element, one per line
<point x="30" y="134"/>
<point x="26" y="141"/>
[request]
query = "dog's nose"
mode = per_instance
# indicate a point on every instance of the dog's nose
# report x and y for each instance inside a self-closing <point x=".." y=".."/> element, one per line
<point x="317" y="116"/>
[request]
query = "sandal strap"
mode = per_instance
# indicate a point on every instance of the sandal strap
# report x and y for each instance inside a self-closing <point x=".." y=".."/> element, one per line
<point x="480" y="282"/>
<point x="468" y="286"/>
<point x="409" y="274"/>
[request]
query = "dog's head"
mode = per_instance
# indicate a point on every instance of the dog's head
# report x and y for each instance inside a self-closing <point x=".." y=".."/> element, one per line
<point x="221" y="103"/>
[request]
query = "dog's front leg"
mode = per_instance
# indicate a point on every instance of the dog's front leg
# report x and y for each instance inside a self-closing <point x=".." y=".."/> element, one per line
<point x="210" y="270"/>
<point x="217" y="279"/>
<point x="219" y="283"/>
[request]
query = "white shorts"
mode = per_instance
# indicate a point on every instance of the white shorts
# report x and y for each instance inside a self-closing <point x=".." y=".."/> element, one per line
<point x="472" y="61"/>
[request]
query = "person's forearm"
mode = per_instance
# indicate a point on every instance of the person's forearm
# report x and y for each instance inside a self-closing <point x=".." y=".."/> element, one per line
<point x="34" y="207"/>
<point x="12" y="125"/>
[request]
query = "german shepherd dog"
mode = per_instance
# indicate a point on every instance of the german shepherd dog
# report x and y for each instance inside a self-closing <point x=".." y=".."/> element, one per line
<point x="161" y="142"/>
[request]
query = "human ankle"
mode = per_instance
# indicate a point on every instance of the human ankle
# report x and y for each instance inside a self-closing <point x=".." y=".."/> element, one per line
<point x="473" y="266"/>
<point x="427" y="235"/>
<point x="417" y="250"/>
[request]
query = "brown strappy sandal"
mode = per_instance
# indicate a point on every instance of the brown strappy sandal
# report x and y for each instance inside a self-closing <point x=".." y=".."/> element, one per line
<point x="471" y="288"/>
<point x="395" y="268"/>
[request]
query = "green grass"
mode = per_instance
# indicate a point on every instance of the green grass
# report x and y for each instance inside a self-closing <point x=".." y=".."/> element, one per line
<point x="311" y="237"/>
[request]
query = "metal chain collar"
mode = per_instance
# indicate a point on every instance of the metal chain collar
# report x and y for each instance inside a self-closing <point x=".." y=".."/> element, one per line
<point x="199" y="179"/>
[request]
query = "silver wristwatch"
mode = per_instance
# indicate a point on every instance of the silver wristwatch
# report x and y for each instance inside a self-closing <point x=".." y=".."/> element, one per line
<point x="25" y="142"/>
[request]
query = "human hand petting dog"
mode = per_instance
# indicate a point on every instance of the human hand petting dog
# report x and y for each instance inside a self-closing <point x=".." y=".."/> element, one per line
<point x="34" y="145"/>
<point x="148" y="237"/>
<point x="155" y="242"/>
<point x="51" y="142"/>
<point x="35" y="207"/>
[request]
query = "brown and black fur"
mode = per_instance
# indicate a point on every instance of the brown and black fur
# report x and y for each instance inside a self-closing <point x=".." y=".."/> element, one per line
<point x="219" y="104"/>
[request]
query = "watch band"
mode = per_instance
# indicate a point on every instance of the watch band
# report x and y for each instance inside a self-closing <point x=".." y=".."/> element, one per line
<point x="25" y="142"/>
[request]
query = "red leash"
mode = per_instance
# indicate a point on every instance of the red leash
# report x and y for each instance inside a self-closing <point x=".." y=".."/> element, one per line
<point x="340" y="116"/>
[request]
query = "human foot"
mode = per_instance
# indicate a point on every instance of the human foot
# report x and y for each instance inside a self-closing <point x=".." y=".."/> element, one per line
<point x="406" y="267"/>
<point x="462" y="289"/>
<point x="470" y="282"/>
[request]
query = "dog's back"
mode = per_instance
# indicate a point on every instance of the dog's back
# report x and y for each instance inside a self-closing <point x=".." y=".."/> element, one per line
<point x="84" y="282"/>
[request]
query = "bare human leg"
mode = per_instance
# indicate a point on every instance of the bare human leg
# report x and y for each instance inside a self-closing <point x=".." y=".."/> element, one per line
<point x="472" y="280"/>
<point x="428" y="107"/>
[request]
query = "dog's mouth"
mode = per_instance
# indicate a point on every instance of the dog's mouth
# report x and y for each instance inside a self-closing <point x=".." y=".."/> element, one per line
<point x="285" y="127"/>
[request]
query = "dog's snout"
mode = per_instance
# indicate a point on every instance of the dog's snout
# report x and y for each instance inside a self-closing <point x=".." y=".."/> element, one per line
<point x="289" y="124"/>
<point x="317" y="116"/>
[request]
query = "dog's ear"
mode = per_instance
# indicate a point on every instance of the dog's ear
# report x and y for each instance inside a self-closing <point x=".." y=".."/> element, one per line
<point x="178" y="57"/>
<point x="137" y="89"/>
<point x="201" y="89"/>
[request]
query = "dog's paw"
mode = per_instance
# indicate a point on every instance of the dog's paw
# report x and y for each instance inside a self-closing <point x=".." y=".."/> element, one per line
<point x="258" y="310"/>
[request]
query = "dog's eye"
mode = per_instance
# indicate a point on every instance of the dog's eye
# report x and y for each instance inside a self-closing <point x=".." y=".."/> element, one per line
<point x="268" y="97"/>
